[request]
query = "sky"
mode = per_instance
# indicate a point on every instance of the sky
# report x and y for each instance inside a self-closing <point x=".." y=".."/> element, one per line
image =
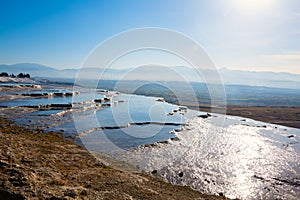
<point x="255" y="35"/>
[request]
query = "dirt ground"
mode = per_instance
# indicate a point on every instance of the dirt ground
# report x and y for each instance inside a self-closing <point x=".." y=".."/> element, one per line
<point x="46" y="166"/>
<point x="286" y="116"/>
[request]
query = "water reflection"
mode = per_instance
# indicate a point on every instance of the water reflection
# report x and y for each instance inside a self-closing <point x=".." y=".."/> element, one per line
<point x="239" y="160"/>
<point x="245" y="158"/>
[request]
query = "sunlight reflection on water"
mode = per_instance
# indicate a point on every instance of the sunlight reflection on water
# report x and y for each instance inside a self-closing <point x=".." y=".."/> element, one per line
<point x="245" y="158"/>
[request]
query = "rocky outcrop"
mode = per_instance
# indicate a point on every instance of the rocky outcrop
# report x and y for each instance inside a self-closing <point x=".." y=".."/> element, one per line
<point x="104" y="99"/>
<point x="160" y="100"/>
<point x="52" y="106"/>
<point x="22" y="86"/>
<point x="207" y="115"/>
<point x="50" y="94"/>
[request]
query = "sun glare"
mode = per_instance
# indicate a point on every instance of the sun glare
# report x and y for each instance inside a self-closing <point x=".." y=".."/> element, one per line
<point x="253" y="6"/>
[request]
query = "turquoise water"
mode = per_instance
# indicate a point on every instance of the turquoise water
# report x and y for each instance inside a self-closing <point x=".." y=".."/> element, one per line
<point x="130" y="122"/>
<point x="33" y="101"/>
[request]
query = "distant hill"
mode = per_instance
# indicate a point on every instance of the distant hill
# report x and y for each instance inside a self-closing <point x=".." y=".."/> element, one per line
<point x="31" y="68"/>
<point x="42" y="71"/>
<point x="268" y="79"/>
<point x="160" y="73"/>
<point x="20" y="67"/>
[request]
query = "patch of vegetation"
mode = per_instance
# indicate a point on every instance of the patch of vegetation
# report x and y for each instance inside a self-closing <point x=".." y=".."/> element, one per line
<point x="20" y="75"/>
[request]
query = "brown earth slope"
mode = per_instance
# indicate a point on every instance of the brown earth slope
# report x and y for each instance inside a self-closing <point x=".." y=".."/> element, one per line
<point x="286" y="116"/>
<point x="45" y="166"/>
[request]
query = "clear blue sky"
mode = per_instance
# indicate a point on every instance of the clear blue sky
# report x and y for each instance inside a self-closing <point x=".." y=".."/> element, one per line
<point x="241" y="34"/>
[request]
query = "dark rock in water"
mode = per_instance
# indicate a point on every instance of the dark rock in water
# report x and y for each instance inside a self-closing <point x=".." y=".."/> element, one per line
<point x="160" y="100"/>
<point x="68" y="105"/>
<point x="64" y="94"/>
<point x="99" y="100"/>
<point x="163" y="142"/>
<point x="102" y="90"/>
<point x="264" y="126"/>
<point x="207" y="180"/>
<point x="244" y="124"/>
<point x="149" y="145"/>
<point x="258" y="177"/>
<point x="51" y="106"/>
<point x="289" y="182"/>
<point x="178" y="129"/>
<point x="115" y="127"/>
<point x="290" y="136"/>
<point x="158" y="123"/>
<point x="154" y="171"/>
<point x="107" y="99"/>
<point x="68" y="94"/>
<point x="205" y="116"/>
<point x="170" y="113"/>
<point x="180" y="174"/>
<point x="174" y="139"/>
<point x="107" y="104"/>
<point x="221" y="194"/>
<point x="103" y="100"/>
<point x="183" y="108"/>
<point x="48" y="94"/>
<point x="243" y="120"/>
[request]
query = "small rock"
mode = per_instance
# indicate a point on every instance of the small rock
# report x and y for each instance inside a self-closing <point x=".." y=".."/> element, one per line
<point x="264" y="126"/>
<point x="70" y="193"/>
<point x="175" y="139"/>
<point x="205" y="115"/>
<point x="83" y="193"/>
<point x="221" y="194"/>
<point x="290" y="136"/>
<point x="180" y="174"/>
<point x="207" y="180"/>
<point x="154" y="171"/>
<point x="3" y="163"/>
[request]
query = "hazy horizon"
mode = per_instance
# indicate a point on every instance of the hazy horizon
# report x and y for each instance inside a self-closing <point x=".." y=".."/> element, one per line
<point x="93" y="67"/>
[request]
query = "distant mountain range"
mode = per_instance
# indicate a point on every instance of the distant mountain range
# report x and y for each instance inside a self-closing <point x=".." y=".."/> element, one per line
<point x="160" y="73"/>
